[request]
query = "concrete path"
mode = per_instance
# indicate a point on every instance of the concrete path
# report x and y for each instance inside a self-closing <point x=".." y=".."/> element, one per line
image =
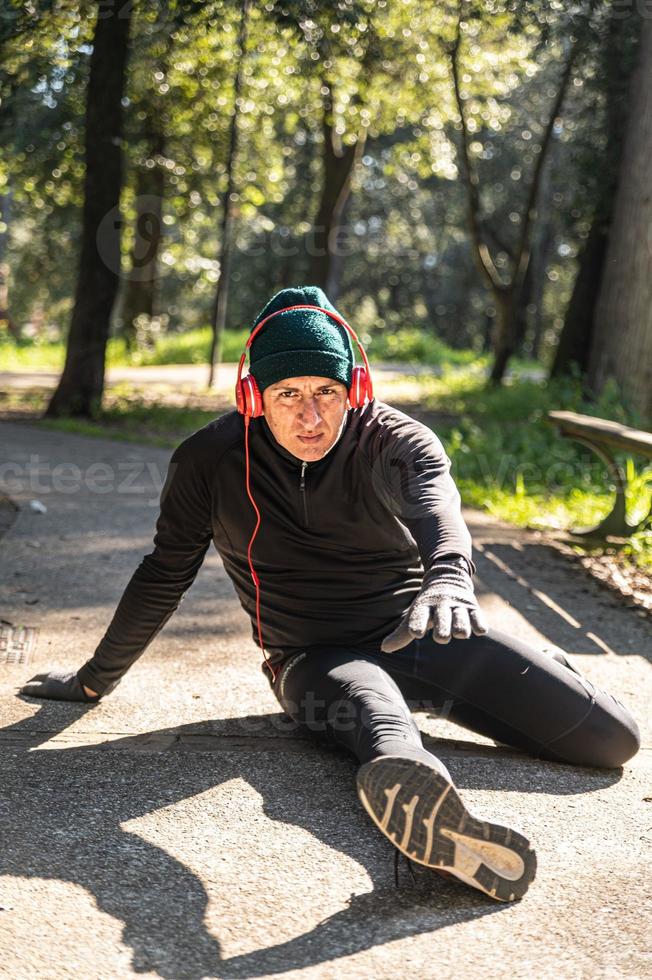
<point x="193" y="376"/>
<point x="182" y="829"/>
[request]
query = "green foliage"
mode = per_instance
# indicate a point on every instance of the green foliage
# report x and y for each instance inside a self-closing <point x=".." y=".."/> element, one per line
<point x="386" y="67"/>
<point x="31" y="356"/>
<point x="407" y="281"/>
<point x="191" y="347"/>
<point x="410" y="344"/>
<point x="173" y="348"/>
<point x="506" y="457"/>
<point x="43" y="78"/>
<point x="133" y="418"/>
<point x="407" y="345"/>
<point x="639" y="550"/>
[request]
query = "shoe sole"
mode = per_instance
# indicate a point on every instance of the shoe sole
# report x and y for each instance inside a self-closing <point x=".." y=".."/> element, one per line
<point x="421" y="813"/>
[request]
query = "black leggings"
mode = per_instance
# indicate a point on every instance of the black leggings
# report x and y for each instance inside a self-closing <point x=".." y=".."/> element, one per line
<point x="496" y="685"/>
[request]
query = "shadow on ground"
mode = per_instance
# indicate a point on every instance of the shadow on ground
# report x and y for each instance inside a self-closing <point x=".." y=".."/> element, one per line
<point x="69" y="806"/>
<point x="552" y="608"/>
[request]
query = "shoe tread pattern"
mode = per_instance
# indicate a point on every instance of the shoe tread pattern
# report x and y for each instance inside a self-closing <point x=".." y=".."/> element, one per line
<point x="395" y="791"/>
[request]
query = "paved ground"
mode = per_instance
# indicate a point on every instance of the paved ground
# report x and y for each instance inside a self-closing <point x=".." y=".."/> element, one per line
<point x="194" y="375"/>
<point x="183" y="384"/>
<point x="182" y="829"/>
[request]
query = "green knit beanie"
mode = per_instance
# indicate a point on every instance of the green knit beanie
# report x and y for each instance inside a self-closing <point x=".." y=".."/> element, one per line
<point x="301" y="342"/>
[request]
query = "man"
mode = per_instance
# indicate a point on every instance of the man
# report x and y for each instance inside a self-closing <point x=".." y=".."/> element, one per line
<point x="342" y="532"/>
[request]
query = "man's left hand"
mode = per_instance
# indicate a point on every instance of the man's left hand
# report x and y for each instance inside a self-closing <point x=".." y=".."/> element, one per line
<point x="59" y="685"/>
<point x="446" y="604"/>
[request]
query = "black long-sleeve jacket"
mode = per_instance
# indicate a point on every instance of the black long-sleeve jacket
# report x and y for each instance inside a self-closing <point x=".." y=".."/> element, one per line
<point x="341" y="549"/>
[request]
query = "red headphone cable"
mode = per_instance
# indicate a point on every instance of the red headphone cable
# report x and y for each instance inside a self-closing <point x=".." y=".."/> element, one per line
<point x="254" y="576"/>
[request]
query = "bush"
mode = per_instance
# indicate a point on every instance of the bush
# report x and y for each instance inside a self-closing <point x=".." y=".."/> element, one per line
<point x="410" y="344"/>
<point x="506" y="457"/>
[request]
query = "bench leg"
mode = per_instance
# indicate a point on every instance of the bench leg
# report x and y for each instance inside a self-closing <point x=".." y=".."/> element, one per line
<point x="615" y="523"/>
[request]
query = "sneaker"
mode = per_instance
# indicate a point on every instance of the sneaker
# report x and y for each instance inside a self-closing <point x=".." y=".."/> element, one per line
<point x="421" y="813"/>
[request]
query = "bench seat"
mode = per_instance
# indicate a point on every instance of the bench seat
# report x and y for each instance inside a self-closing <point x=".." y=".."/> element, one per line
<point x="604" y="437"/>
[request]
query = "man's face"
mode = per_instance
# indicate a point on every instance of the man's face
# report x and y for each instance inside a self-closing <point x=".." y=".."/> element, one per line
<point x="305" y="414"/>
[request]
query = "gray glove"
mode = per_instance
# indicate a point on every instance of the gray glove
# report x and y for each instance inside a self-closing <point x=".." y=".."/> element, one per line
<point x="57" y="685"/>
<point x="446" y="604"/>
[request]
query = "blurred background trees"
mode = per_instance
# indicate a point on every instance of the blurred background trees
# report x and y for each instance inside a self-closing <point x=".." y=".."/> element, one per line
<point x="468" y="172"/>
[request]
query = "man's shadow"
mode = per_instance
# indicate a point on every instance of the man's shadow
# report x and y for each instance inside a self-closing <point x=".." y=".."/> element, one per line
<point x="65" y="809"/>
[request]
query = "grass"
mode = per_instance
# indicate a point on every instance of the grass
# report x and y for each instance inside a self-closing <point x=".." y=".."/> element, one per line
<point x="506" y="458"/>
<point x="138" y="421"/>
<point x="193" y="347"/>
<point x="128" y="413"/>
<point x="413" y="345"/>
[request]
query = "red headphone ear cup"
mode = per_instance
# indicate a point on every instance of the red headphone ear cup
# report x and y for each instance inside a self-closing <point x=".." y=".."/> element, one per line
<point x="360" y="390"/>
<point x="239" y="398"/>
<point x="248" y="398"/>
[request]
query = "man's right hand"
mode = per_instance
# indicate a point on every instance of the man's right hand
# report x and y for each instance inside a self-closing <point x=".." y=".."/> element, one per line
<point x="59" y="685"/>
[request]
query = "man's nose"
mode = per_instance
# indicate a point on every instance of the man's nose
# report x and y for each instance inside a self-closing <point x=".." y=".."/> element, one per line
<point x="309" y="412"/>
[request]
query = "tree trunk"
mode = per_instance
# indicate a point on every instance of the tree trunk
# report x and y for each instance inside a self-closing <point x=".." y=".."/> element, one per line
<point x="81" y="385"/>
<point x="142" y="278"/>
<point x="541" y="245"/>
<point x="615" y="70"/>
<point x="538" y="263"/>
<point x="522" y="312"/>
<point x="339" y="163"/>
<point x="504" y="341"/>
<point x="218" y="317"/>
<point x="506" y="291"/>
<point x="338" y="254"/>
<point x="622" y="347"/>
<point x="508" y="297"/>
<point x="5" y="315"/>
<point x="575" y="338"/>
<point x="487" y="332"/>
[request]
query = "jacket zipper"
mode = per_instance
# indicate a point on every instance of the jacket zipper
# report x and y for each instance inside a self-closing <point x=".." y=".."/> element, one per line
<point x="302" y="492"/>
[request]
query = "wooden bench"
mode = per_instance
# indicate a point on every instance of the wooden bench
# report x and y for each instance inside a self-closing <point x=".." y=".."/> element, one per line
<point x="604" y="437"/>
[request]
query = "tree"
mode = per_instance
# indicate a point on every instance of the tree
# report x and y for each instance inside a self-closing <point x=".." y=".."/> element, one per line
<point x="339" y="163"/>
<point x="622" y="344"/>
<point x="146" y="140"/>
<point x="313" y="86"/>
<point x="140" y="292"/>
<point x="608" y="68"/>
<point x="574" y="343"/>
<point x="5" y="313"/>
<point x="218" y="318"/>
<point x="80" y="388"/>
<point x="506" y="290"/>
<point x="44" y="61"/>
<point x="360" y="71"/>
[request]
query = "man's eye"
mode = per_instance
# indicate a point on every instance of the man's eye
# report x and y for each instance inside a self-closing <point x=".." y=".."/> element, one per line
<point x="293" y="394"/>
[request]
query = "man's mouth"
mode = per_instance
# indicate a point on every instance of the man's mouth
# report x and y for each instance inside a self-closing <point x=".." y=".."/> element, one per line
<point x="310" y="439"/>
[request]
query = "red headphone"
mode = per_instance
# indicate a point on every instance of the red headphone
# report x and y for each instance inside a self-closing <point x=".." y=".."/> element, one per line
<point x="249" y="402"/>
<point x="248" y="398"/>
